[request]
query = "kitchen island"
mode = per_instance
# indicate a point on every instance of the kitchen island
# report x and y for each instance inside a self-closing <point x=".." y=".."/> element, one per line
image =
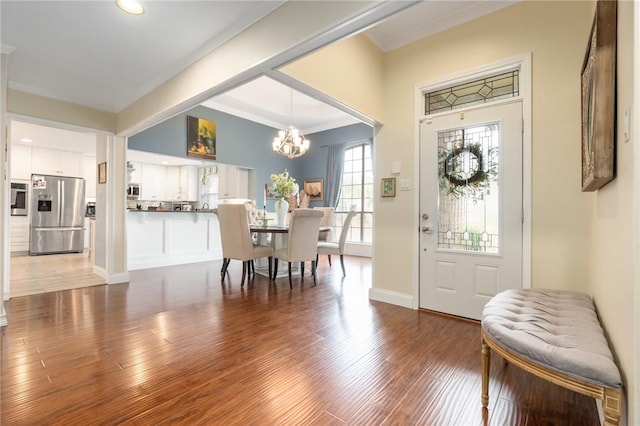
<point x="165" y="238"/>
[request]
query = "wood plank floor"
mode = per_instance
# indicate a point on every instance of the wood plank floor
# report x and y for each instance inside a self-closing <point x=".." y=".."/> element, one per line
<point x="177" y="346"/>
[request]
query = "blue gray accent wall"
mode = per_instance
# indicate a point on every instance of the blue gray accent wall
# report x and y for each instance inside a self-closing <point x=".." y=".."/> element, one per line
<point x="248" y="144"/>
<point x="313" y="165"/>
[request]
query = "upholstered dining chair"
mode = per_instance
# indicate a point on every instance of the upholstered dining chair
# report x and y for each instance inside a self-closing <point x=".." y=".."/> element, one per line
<point x="337" y="247"/>
<point x="302" y="241"/>
<point x="236" y="240"/>
<point x="327" y="216"/>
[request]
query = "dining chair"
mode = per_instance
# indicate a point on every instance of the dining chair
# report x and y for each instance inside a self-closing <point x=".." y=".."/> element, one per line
<point x="337" y="247"/>
<point x="302" y="242"/>
<point x="236" y="240"/>
<point x="327" y="217"/>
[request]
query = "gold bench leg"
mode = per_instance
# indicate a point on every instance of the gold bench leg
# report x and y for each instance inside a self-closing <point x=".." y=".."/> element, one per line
<point x="486" y="357"/>
<point x="611" y="406"/>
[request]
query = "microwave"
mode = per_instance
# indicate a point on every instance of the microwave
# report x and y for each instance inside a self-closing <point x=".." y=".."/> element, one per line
<point x="19" y="200"/>
<point x="91" y="209"/>
<point x="133" y="191"/>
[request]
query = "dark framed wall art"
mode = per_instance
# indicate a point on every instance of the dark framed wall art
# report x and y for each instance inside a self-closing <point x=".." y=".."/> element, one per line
<point x="598" y="99"/>
<point x="314" y="188"/>
<point x="201" y="138"/>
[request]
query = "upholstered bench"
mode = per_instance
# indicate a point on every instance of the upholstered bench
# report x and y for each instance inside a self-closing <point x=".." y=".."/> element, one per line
<point x="555" y="335"/>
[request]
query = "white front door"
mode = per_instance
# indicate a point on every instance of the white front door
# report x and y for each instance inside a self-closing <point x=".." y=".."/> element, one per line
<point x="470" y="208"/>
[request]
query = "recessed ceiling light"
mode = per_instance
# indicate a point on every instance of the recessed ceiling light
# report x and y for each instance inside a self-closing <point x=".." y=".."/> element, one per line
<point x="130" y="6"/>
<point x="26" y="140"/>
<point x="164" y="162"/>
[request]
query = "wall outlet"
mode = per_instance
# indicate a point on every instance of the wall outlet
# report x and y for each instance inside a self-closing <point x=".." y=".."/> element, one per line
<point x="404" y="185"/>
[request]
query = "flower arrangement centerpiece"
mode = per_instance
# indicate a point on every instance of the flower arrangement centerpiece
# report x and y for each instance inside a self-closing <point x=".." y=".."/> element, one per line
<point x="283" y="186"/>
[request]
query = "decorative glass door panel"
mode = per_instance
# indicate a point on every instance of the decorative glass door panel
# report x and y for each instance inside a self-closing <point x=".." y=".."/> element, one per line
<point x="468" y="194"/>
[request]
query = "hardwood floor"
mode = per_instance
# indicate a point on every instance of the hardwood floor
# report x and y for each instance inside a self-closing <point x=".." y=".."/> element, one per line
<point x="177" y="346"/>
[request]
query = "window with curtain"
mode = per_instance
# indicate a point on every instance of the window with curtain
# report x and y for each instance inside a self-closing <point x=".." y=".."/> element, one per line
<point x="356" y="192"/>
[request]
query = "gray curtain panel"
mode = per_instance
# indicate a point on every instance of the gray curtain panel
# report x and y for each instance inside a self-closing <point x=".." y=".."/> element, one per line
<point x="335" y="166"/>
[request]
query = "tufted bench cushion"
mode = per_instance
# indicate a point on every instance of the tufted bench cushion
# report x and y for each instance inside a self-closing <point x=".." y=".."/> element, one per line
<point x="558" y="329"/>
<point x="555" y="335"/>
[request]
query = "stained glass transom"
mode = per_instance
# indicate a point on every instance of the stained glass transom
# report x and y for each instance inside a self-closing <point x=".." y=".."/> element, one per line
<point x="480" y="91"/>
<point x="468" y="195"/>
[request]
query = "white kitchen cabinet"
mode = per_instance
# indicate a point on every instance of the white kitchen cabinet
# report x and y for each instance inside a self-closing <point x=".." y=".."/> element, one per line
<point x="189" y="182"/>
<point x="227" y="181"/>
<point x="182" y="183"/>
<point x="89" y="175"/>
<point x="19" y="233"/>
<point x="20" y="162"/>
<point x="172" y="184"/>
<point x="134" y="171"/>
<point x="243" y="183"/>
<point x="153" y="182"/>
<point x="53" y="162"/>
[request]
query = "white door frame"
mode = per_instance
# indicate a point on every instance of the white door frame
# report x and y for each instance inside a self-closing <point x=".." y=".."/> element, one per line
<point x="523" y="63"/>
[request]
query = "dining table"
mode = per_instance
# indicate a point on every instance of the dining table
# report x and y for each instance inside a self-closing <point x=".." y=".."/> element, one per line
<point x="278" y="234"/>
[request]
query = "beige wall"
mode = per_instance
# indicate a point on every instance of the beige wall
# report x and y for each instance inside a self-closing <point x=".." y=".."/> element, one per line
<point x="355" y="75"/>
<point x="555" y="33"/>
<point x="35" y="106"/>
<point x="612" y="258"/>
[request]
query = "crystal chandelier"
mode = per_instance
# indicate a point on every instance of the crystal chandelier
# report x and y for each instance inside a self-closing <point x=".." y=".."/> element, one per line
<point x="290" y="143"/>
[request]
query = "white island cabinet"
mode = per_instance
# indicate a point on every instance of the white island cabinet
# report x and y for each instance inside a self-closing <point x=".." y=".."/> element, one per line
<point x="157" y="238"/>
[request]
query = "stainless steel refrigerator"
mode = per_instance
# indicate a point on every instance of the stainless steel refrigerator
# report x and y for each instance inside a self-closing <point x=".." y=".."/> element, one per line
<point x="57" y="214"/>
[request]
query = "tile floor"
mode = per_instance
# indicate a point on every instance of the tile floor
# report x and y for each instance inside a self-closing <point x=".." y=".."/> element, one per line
<point x="46" y="273"/>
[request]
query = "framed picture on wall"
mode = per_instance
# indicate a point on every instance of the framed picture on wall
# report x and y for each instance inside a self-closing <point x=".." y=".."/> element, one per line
<point x="201" y="138"/>
<point x="314" y="189"/>
<point x="598" y="99"/>
<point x="269" y="195"/>
<point x="102" y="172"/>
<point x="388" y="188"/>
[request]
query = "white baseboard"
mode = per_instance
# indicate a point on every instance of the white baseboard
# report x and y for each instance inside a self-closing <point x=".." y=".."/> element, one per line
<point x="111" y="279"/>
<point x="170" y="260"/>
<point x="101" y="272"/>
<point x="392" y="297"/>
<point x="118" y="278"/>
<point x="3" y="316"/>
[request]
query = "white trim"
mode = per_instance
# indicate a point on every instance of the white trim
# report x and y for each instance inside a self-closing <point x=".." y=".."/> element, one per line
<point x="101" y="272"/>
<point x="122" y="277"/>
<point x="118" y="278"/>
<point x="168" y="259"/>
<point x="522" y="62"/>
<point x="392" y="297"/>
<point x="55" y="124"/>
<point x="358" y="249"/>
<point x="634" y="398"/>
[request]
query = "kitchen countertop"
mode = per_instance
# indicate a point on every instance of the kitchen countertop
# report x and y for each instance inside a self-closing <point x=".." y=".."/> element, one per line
<point x="171" y="211"/>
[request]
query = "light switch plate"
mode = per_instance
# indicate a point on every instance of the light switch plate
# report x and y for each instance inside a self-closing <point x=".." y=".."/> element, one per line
<point x="404" y="185"/>
<point x="627" y="124"/>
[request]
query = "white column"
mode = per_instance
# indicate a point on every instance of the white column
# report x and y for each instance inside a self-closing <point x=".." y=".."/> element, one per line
<point x="110" y="227"/>
<point x="4" y="185"/>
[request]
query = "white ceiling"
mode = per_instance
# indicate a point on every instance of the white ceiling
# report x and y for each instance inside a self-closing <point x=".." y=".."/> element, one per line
<point x="93" y="54"/>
